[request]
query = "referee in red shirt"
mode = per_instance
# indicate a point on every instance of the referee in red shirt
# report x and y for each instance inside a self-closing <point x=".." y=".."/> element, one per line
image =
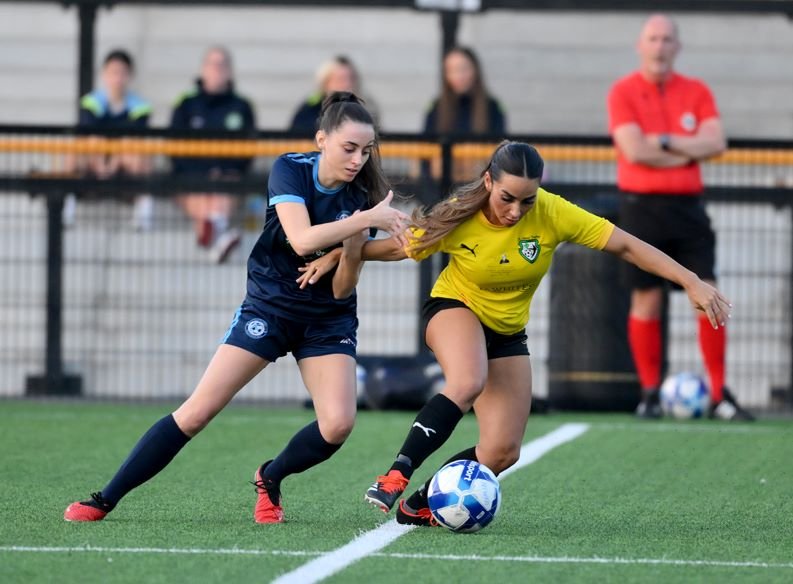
<point x="663" y="124"/>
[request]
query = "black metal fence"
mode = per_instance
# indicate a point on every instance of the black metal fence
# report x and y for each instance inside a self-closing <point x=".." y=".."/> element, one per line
<point x="92" y="302"/>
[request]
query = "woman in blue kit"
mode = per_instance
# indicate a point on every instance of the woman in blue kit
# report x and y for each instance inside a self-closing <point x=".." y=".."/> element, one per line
<point x="318" y="201"/>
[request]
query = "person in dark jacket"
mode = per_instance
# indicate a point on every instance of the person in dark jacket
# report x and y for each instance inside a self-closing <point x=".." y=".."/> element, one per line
<point x="338" y="74"/>
<point x="464" y="105"/>
<point x="112" y="105"/>
<point x="213" y="104"/>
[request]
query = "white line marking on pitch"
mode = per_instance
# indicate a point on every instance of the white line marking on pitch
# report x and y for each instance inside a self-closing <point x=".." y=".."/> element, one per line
<point x="397" y="555"/>
<point x="150" y="550"/>
<point x="593" y="560"/>
<point x="372" y="541"/>
<point x="695" y="427"/>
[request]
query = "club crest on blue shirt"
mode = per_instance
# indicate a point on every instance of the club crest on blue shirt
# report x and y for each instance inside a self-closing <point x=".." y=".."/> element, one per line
<point x="256" y="328"/>
<point x="529" y="249"/>
<point x="343" y="215"/>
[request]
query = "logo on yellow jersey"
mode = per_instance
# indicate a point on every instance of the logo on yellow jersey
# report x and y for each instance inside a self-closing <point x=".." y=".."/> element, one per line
<point x="529" y="249"/>
<point x="470" y="249"/>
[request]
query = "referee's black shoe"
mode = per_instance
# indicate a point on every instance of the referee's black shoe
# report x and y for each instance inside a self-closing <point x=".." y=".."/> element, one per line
<point x="729" y="409"/>
<point x="650" y="406"/>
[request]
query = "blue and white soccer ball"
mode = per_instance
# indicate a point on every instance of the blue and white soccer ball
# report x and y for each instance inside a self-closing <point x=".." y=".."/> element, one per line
<point x="684" y="396"/>
<point x="464" y="496"/>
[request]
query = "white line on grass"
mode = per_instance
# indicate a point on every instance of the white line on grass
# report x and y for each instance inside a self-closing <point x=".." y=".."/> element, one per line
<point x="396" y="555"/>
<point x="372" y="541"/>
<point x="151" y="550"/>
<point x="704" y="427"/>
<point x="593" y="560"/>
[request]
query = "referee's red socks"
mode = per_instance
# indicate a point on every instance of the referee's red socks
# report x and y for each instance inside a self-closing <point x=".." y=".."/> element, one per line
<point x="644" y="337"/>
<point x="713" y="344"/>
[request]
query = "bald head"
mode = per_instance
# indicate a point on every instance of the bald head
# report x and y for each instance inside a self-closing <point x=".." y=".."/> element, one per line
<point x="658" y="46"/>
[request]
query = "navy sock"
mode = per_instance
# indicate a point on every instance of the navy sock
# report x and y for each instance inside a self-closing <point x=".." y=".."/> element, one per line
<point x="151" y="454"/>
<point x="419" y="499"/>
<point x="307" y="448"/>
<point x="432" y="427"/>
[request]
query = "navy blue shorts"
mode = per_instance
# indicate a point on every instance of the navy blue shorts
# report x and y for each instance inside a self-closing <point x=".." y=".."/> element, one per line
<point x="270" y="336"/>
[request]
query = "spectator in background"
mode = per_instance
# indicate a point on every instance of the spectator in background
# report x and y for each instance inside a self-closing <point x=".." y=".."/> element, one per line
<point x="663" y="124"/>
<point x="338" y="74"/>
<point x="111" y="106"/>
<point x="213" y="105"/>
<point x="464" y="105"/>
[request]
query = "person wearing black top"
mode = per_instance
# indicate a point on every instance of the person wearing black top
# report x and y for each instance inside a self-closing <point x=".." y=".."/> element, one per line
<point x="113" y="106"/>
<point x="464" y="105"/>
<point x="338" y="74"/>
<point x="213" y="104"/>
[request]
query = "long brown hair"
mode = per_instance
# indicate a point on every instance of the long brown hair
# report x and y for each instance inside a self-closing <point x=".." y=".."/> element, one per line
<point x="337" y="108"/>
<point x="514" y="158"/>
<point x="448" y="103"/>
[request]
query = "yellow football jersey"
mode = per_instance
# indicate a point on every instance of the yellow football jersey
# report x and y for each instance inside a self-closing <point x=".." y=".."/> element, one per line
<point x="494" y="270"/>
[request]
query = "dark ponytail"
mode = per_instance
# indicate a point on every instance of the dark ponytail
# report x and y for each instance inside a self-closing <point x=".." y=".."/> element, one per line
<point x="337" y="108"/>
<point x="517" y="159"/>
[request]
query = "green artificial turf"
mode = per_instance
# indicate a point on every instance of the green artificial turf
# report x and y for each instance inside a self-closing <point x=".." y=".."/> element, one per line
<point x="619" y="503"/>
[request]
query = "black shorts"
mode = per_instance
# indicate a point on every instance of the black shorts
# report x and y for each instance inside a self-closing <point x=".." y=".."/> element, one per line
<point x="677" y="225"/>
<point x="271" y="336"/>
<point x="496" y="344"/>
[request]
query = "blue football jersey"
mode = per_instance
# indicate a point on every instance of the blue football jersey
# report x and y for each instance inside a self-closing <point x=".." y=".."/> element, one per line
<point x="273" y="264"/>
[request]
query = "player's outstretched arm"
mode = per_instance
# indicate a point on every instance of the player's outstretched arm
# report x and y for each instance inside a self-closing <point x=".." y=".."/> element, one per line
<point x="384" y="250"/>
<point x="306" y="238"/>
<point x="702" y="295"/>
<point x="350" y="264"/>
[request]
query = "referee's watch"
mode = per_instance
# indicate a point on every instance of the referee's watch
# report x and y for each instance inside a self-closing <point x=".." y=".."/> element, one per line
<point x="664" y="141"/>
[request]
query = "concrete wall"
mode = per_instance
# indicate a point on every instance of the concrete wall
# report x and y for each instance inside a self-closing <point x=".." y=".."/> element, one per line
<point x="550" y="70"/>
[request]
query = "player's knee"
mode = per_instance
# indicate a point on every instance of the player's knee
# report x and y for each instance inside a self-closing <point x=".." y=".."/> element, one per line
<point x="191" y="422"/>
<point x="502" y="457"/>
<point x="465" y="391"/>
<point x="336" y="429"/>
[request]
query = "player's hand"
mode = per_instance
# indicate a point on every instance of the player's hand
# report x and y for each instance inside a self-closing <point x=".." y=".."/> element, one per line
<point x="709" y="300"/>
<point x="384" y="216"/>
<point x="313" y="271"/>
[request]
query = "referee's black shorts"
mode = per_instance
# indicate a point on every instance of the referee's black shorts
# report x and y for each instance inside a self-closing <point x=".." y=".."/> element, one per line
<point x="677" y="225"/>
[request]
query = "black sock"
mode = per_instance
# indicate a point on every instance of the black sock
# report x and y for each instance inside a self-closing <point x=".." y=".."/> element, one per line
<point x="432" y="427"/>
<point x="307" y="448"/>
<point x="151" y="454"/>
<point x="418" y="499"/>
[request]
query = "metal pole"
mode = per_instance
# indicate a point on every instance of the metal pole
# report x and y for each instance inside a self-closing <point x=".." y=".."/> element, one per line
<point x="450" y="21"/>
<point x="54" y="381"/>
<point x="431" y="267"/>
<point x="86" y="49"/>
<point x="789" y="396"/>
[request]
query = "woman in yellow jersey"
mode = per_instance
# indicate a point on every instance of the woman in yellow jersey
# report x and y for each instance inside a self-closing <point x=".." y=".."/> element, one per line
<point x="500" y="232"/>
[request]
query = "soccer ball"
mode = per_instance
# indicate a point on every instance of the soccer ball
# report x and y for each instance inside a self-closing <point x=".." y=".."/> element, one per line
<point x="464" y="496"/>
<point x="684" y="396"/>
